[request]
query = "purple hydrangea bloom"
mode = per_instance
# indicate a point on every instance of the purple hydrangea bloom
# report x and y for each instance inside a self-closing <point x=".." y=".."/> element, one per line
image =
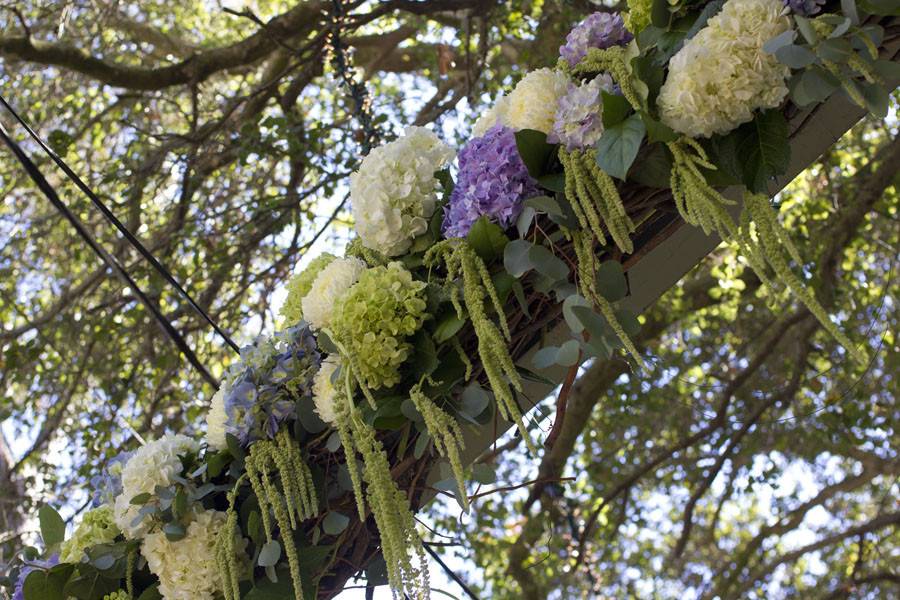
<point x="19" y="592"/>
<point x="274" y="375"/>
<point x="599" y="30"/>
<point x="108" y="485"/>
<point x="493" y="182"/>
<point x="578" y="123"/>
<point x="804" y="8"/>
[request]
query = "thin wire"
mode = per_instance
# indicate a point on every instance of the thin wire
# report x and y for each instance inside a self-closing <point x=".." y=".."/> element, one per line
<point x="450" y="572"/>
<point x="130" y="237"/>
<point x="111" y="261"/>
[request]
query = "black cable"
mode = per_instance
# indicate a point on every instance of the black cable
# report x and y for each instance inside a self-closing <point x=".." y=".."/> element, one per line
<point x="459" y="581"/>
<point x="119" y="225"/>
<point x="117" y="268"/>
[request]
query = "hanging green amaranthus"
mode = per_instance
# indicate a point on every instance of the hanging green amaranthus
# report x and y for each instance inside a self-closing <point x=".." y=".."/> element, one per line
<point x="294" y="502"/>
<point x="587" y="269"/>
<point x="446" y="433"/>
<point x="226" y="548"/>
<point x="773" y="242"/>
<point x="698" y="202"/>
<point x="493" y="338"/>
<point x="595" y="199"/>
<point x="609" y="60"/>
<point x="390" y="506"/>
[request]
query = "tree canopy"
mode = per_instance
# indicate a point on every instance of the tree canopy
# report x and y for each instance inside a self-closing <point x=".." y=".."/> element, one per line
<point x="752" y="459"/>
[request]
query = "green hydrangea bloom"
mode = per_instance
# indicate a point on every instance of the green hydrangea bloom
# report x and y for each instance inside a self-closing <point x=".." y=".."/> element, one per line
<point x="98" y="526"/>
<point x="119" y="595"/>
<point x="638" y="15"/>
<point x="299" y="286"/>
<point x="373" y="320"/>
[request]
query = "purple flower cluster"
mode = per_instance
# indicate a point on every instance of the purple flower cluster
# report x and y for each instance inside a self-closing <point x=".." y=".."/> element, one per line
<point x="276" y="374"/>
<point x="19" y="590"/>
<point x="578" y="122"/>
<point x="493" y="181"/>
<point x="804" y="8"/>
<point x="108" y="485"/>
<point x="598" y="30"/>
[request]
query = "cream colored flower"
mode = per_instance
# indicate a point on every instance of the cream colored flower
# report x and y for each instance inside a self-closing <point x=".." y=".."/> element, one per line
<point x="532" y="105"/>
<point x="394" y="192"/>
<point x="216" y="419"/>
<point x="330" y="284"/>
<point x="187" y="568"/>
<point x="154" y="464"/>
<point x="497" y="114"/>
<point x="324" y="392"/>
<point x="722" y="74"/>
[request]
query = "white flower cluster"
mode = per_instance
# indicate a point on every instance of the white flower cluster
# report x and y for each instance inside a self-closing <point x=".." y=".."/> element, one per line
<point x="532" y="105"/>
<point x="187" y="568"/>
<point x="153" y="464"/>
<point x="722" y="74"/>
<point x="324" y="392"/>
<point x="494" y="115"/>
<point x="216" y="419"/>
<point x="331" y="283"/>
<point x="393" y="192"/>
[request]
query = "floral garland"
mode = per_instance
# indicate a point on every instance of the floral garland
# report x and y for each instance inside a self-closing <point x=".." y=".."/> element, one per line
<point x="373" y="367"/>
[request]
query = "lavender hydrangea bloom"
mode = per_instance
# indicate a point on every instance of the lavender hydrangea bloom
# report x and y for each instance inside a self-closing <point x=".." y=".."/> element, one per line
<point x="804" y="8"/>
<point x="108" y="485"/>
<point x="493" y="181"/>
<point x="19" y="591"/>
<point x="274" y="373"/>
<point x="599" y="30"/>
<point x="579" y="123"/>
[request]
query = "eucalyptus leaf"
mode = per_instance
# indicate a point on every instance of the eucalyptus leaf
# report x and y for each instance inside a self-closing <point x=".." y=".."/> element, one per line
<point x="611" y="280"/>
<point x="334" y="523"/>
<point x="547" y="263"/>
<point x="269" y="554"/>
<point x="333" y="443"/>
<point x="782" y="40"/>
<point x="573" y="321"/>
<point x="524" y="220"/>
<point x="618" y="146"/>
<point x="555" y="182"/>
<point x="569" y="353"/>
<point x="448" y="326"/>
<point x="515" y="257"/>
<point x="804" y="26"/>
<point x="545" y="357"/>
<point x="484" y="473"/>
<point x="796" y="57"/>
<point x="53" y="528"/>
<point x="848" y="8"/>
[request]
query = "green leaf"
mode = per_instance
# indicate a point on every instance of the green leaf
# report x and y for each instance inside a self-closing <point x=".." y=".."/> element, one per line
<point x="174" y="531"/>
<point x="448" y="326"/>
<point x="598" y="330"/>
<point x="812" y="86"/>
<point x="615" y="108"/>
<point x="334" y="523"/>
<point x="782" y="40"/>
<point x="654" y="167"/>
<point x="548" y="264"/>
<point x="611" y="281"/>
<point x="618" y="146"/>
<point x="887" y="69"/>
<point x="269" y="555"/>
<point x="53" y="528"/>
<point x="473" y="400"/>
<point x="40" y="585"/>
<point x="569" y="354"/>
<point x="487" y="239"/>
<point x="657" y="131"/>
<point x="629" y="321"/>
<point x="523" y="222"/>
<point x="659" y="14"/>
<point x="141" y="499"/>
<point x="848" y="7"/>
<point x="234" y="446"/>
<point x="652" y="74"/>
<point x="796" y="57"/>
<point x="376" y="571"/>
<point x="544" y="204"/>
<point x="515" y="257"/>
<point x="151" y="593"/>
<point x="555" y="182"/>
<point x="764" y="148"/>
<point x="877" y="99"/>
<point x="308" y="417"/>
<point x="572" y="321"/>
<point x="484" y="473"/>
<point x="836" y="50"/>
<point x="534" y="150"/>
<point x="886" y="8"/>
<point x="545" y="357"/>
<point x="806" y="30"/>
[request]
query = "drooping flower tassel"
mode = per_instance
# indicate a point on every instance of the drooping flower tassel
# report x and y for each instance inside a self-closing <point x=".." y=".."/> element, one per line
<point x="587" y="269"/>
<point x="595" y="199"/>
<point x="293" y="503"/>
<point x="447" y="436"/>
<point x="698" y="202"/>
<point x="226" y="548"/>
<point x="773" y="241"/>
<point x="461" y="260"/>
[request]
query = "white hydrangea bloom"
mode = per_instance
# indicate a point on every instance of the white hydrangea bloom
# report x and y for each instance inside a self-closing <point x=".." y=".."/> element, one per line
<point x="532" y="105"/>
<point x="498" y="113"/>
<point x="153" y="464"/>
<point x="722" y="74"/>
<point x="393" y="192"/>
<point x="187" y="568"/>
<point x="330" y="284"/>
<point x="216" y="419"/>
<point x="324" y="392"/>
